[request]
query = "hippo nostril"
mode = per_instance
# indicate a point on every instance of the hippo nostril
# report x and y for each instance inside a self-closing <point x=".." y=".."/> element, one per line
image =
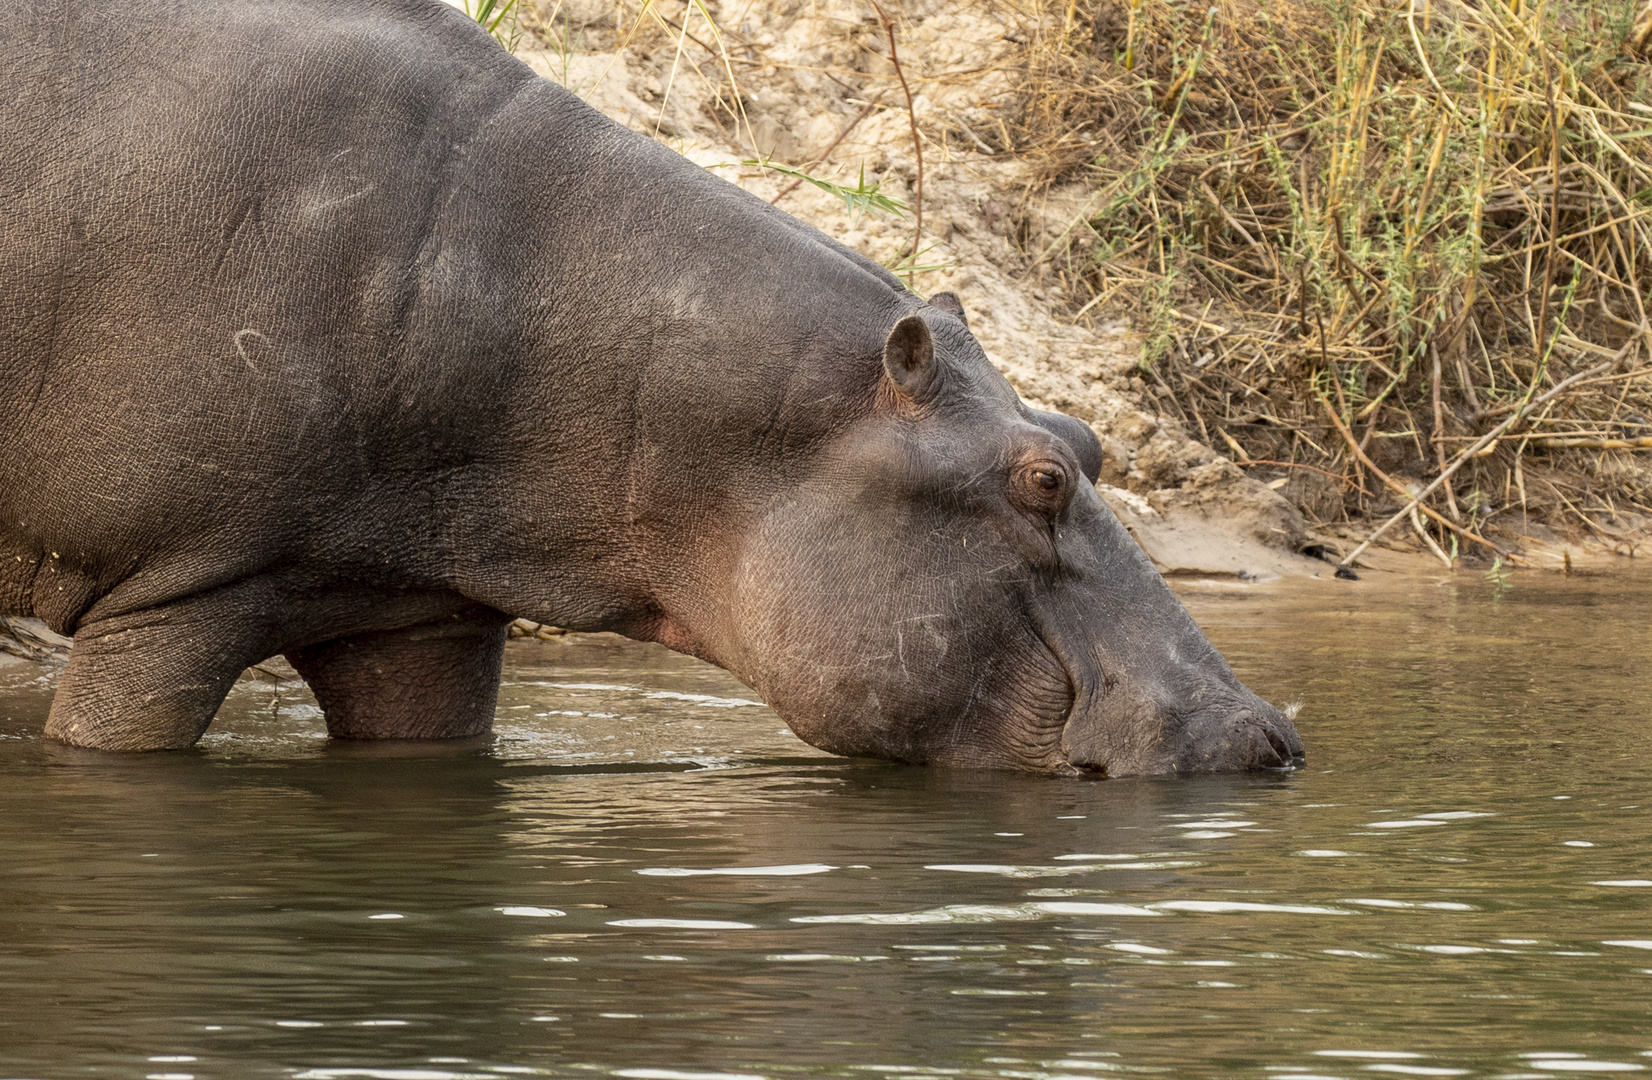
<point x="1265" y="746"/>
<point x="1069" y="768"/>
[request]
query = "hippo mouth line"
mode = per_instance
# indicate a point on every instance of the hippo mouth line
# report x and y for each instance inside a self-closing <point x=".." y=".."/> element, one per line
<point x="1063" y="765"/>
<point x="1290" y="759"/>
<point x="1067" y="770"/>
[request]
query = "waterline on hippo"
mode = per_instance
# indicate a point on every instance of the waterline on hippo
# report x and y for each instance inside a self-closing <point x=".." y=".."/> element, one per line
<point x="458" y="349"/>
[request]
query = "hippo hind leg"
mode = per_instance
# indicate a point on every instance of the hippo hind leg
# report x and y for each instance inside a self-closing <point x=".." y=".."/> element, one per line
<point x="435" y="680"/>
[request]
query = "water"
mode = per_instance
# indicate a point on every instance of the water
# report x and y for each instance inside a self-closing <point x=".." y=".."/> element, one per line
<point x="645" y="876"/>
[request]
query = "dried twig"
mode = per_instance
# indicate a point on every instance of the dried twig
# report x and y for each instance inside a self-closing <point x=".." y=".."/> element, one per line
<point x="912" y="119"/>
<point x="1397" y="488"/>
<point x="1597" y="444"/>
<point x="1464" y="457"/>
<point x="1462" y="250"/>
<point x="1540" y="342"/>
<point x="1311" y="468"/>
<point x="833" y="145"/>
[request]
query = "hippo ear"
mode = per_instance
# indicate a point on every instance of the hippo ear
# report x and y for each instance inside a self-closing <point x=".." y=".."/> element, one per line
<point x="949" y="303"/>
<point x="909" y="356"/>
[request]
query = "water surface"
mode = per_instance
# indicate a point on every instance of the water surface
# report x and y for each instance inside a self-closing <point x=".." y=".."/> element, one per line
<point x="645" y="875"/>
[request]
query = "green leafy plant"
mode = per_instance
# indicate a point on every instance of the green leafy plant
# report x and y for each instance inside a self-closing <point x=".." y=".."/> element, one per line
<point x="861" y="198"/>
<point x="905" y="264"/>
<point x="497" y="17"/>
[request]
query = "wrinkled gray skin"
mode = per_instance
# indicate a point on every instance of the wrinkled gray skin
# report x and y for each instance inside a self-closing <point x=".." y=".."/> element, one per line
<point x="330" y="330"/>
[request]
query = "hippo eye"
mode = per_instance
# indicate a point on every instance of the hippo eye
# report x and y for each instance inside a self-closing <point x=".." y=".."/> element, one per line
<point x="1042" y="487"/>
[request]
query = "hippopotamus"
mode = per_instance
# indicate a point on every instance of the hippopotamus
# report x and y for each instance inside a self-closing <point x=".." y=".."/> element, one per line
<point x="332" y="331"/>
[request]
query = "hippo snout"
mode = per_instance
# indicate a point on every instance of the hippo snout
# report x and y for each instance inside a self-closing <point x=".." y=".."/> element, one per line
<point x="1124" y="737"/>
<point x="1254" y="741"/>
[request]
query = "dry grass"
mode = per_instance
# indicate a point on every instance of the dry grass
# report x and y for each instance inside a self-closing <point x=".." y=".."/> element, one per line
<point x="1360" y="235"/>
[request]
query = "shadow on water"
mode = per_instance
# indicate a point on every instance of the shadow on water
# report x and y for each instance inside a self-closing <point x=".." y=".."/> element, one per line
<point x="643" y="871"/>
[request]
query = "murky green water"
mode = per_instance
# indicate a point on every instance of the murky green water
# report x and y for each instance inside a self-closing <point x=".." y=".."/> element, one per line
<point x="644" y="876"/>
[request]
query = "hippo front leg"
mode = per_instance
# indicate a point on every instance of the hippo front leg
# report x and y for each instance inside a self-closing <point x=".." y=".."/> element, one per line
<point x="436" y="680"/>
<point x="153" y="679"/>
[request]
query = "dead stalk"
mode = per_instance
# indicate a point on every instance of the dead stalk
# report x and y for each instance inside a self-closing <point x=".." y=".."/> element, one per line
<point x="1349" y="481"/>
<point x="912" y="119"/>
<point x="1427" y="178"/>
<point x="1464" y="457"/>
<point x="826" y="154"/>
<point x="1397" y="488"/>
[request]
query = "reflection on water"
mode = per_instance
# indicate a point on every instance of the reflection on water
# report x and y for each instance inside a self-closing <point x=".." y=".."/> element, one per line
<point x="644" y="875"/>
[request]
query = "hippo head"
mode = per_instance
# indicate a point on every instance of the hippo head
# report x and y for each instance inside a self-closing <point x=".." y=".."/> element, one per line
<point x="946" y="586"/>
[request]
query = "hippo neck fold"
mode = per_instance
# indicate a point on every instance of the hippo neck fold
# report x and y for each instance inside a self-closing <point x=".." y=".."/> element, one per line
<point x="712" y="343"/>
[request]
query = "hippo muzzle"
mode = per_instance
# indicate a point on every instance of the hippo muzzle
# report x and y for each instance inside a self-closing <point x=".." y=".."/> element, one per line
<point x="1130" y="734"/>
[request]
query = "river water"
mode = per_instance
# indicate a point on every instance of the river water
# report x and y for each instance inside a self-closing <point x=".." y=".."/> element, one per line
<point x="644" y="875"/>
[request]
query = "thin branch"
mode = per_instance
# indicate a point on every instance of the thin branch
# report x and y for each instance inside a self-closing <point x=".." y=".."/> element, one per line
<point x="912" y="119"/>
<point x="1398" y="489"/>
<point x="1311" y="468"/>
<point x="827" y="153"/>
<point x="1468" y="454"/>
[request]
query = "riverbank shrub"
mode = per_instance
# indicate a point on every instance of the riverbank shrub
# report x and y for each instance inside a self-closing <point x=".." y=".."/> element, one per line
<point x="1415" y="216"/>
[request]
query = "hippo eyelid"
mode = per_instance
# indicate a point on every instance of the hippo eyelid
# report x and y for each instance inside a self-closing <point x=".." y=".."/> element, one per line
<point x="1042" y="486"/>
